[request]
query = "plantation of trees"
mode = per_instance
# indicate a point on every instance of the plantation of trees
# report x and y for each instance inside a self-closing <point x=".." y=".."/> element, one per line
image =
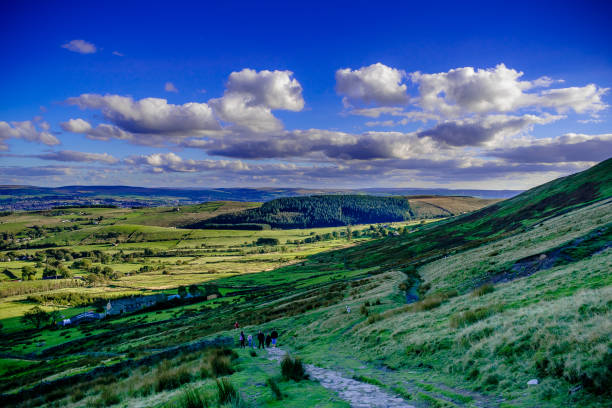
<point x="318" y="211"/>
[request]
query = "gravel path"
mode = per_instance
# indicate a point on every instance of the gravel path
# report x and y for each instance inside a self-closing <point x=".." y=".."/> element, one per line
<point x="358" y="394"/>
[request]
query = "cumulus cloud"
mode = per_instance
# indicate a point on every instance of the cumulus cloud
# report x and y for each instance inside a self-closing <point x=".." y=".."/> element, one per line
<point x="76" y="126"/>
<point x="571" y="147"/>
<point x="250" y="97"/>
<point x="500" y="89"/>
<point x="169" y="87"/>
<point x="150" y="115"/>
<point x="273" y="89"/>
<point x="37" y="171"/>
<point x="74" y="156"/>
<point x="478" y="131"/>
<point x="375" y="84"/>
<point x="235" y="109"/>
<point x="80" y="46"/>
<point x="170" y="162"/>
<point x="26" y="130"/>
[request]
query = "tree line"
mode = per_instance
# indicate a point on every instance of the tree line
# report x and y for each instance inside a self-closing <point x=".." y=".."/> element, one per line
<point x="318" y="211"/>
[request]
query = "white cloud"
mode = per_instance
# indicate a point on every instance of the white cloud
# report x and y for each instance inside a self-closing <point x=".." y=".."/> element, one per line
<point x="377" y="112"/>
<point x="26" y="130"/>
<point x="235" y="109"/>
<point x="118" y="54"/>
<point x="80" y="46"/>
<point x="377" y="84"/>
<point x="73" y="156"/>
<point x="169" y="87"/>
<point x="76" y="126"/>
<point x="468" y="90"/>
<point x="272" y="89"/>
<point x="250" y="97"/>
<point x="170" y="162"/>
<point x="150" y="115"/>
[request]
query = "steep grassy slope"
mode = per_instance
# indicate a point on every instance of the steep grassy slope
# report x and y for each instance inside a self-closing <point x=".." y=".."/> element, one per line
<point x="491" y="223"/>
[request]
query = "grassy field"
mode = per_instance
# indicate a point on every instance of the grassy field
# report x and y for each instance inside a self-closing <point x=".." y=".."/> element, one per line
<point x="461" y="312"/>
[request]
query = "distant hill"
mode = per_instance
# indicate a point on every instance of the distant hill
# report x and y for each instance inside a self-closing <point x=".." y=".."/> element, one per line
<point x="40" y="198"/>
<point x="433" y="206"/>
<point x="338" y="210"/>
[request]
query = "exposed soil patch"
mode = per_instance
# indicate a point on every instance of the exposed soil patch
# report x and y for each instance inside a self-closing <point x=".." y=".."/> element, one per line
<point x="577" y="249"/>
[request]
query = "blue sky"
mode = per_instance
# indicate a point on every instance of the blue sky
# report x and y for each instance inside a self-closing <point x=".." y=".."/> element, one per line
<point x="335" y="94"/>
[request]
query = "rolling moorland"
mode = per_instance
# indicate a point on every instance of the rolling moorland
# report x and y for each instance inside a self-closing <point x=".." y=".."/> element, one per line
<point x="462" y="311"/>
<point x="26" y="198"/>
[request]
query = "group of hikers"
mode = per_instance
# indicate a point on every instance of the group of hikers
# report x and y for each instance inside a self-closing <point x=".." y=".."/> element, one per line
<point x="263" y="340"/>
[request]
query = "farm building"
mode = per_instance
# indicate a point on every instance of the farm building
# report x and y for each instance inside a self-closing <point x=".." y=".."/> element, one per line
<point x="82" y="318"/>
<point x="132" y="304"/>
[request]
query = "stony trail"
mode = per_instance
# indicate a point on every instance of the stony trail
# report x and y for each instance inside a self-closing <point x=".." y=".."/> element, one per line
<point x="356" y="393"/>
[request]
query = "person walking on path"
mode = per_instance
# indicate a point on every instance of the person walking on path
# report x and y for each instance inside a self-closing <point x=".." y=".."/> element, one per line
<point x="236" y="325"/>
<point x="242" y="339"/>
<point x="348" y="309"/>
<point x="250" y="340"/>
<point x="260" y="339"/>
<point x="274" y="336"/>
<point x="268" y="340"/>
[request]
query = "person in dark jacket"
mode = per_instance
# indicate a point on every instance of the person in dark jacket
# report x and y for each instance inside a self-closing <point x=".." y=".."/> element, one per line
<point x="260" y="339"/>
<point x="268" y="341"/>
<point x="242" y="339"/>
<point x="274" y="336"/>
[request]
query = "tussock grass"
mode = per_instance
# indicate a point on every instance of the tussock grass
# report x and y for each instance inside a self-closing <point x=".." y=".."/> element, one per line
<point x="292" y="369"/>
<point x="468" y="317"/>
<point x="169" y="378"/>
<point x="483" y="290"/>
<point x="368" y="380"/>
<point x="193" y="398"/>
<point x="274" y="388"/>
<point x="226" y="392"/>
<point x="221" y="365"/>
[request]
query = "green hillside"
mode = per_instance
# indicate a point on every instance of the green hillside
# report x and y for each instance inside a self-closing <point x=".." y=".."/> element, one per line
<point x="508" y="306"/>
<point x="497" y="221"/>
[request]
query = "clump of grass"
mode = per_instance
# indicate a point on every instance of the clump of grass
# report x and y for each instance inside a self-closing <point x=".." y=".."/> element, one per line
<point x="226" y="391"/>
<point x="292" y="369"/>
<point x="472" y="316"/>
<point x="77" y="395"/>
<point x="274" y="388"/>
<point x="253" y="353"/>
<point x="220" y="363"/>
<point x="364" y="309"/>
<point x="428" y="347"/>
<point x="401" y="392"/>
<point x="375" y="318"/>
<point x="167" y="378"/>
<point x="363" y="378"/>
<point x="193" y="398"/>
<point x="432" y="301"/>
<point x="483" y="290"/>
<point x="108" y="398"/>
